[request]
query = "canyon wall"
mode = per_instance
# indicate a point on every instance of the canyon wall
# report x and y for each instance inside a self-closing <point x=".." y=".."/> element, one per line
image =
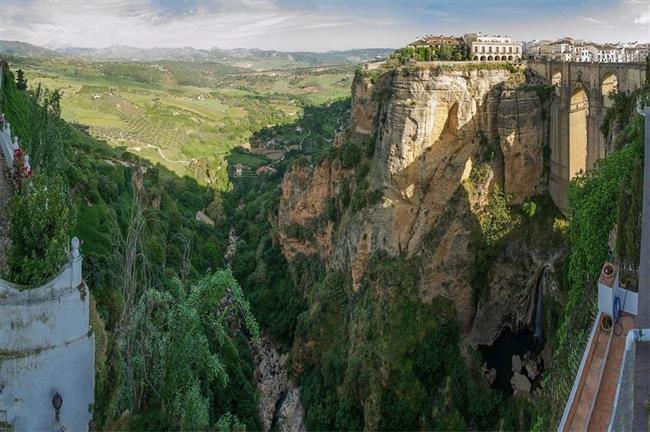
<point x="416" y="177"/>
<point x="430" y="130"/>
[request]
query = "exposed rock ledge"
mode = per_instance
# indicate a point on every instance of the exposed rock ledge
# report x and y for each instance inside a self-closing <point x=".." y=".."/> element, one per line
<point x="279" y="400"/>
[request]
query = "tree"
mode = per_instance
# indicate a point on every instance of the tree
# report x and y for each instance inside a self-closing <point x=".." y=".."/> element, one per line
<point x="42" y="219"/>
<point x="445" y="52"/>
<point x="21" y="81"/>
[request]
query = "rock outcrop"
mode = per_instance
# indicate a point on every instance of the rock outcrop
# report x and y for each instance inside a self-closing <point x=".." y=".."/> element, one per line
<point x="521" y="138"/>
<point x="436" y="146"/>
<point x="430" y="130"/>
<point x="278" y="399"/>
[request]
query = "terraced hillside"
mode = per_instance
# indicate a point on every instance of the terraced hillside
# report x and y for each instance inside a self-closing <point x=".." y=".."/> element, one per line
<point x="191" y="117"/>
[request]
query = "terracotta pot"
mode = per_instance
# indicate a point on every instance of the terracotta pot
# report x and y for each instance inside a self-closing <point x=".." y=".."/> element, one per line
<point x="606" y="323"/>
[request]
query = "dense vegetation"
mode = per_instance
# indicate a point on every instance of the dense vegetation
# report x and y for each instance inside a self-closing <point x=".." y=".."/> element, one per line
<point x="176" y="335"/>
<point x="387" y="354"/>
<point x="252" y="205"/>
<point x="150" y="267"/>
<point x="445" y="52"/>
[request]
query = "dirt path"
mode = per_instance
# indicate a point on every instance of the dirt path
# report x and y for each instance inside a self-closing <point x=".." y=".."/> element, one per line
<point x="5" y="194"/>
<point x="160" y="152"/>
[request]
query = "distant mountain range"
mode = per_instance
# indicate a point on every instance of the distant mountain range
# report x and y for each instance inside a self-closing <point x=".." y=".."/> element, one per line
<point x="248" y="58"/>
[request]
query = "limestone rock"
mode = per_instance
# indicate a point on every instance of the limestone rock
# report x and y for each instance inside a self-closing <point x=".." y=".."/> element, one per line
<point x="520" y="384"/>
<point x="427" y="128"/>
<point x="521" y="137"/>
<point x="531" y="369"/>
<point x="516" y="363"/>
<point x="272" y="385"/>
<point x="291" y="415"/>
<point x="490" y="375"/>
<point x="442" y="140"/>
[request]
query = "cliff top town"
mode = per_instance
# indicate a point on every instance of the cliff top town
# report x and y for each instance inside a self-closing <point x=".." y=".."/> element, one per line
<point x="481" y="47"/>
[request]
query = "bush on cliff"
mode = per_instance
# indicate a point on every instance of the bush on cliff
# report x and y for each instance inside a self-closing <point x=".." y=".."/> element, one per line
<point x="42" y="220"/>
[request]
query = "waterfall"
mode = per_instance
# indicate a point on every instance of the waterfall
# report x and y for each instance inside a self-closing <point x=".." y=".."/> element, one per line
<point x="539" y="328"/>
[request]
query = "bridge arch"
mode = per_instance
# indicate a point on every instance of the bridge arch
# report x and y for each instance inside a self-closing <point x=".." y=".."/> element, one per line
<point x="608" y="84"/>
<point x="578" y="116"/>
<point x="556" y="77"/>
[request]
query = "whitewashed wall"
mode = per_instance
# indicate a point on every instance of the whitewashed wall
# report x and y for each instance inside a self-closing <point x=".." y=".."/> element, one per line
<point x="46" y="346"/>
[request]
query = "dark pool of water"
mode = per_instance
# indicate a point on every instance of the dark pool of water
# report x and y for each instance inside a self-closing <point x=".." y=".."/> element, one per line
<point x="499" y="355"/>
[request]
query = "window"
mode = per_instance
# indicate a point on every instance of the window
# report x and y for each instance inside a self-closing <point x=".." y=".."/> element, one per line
<point x="509" y="49"/>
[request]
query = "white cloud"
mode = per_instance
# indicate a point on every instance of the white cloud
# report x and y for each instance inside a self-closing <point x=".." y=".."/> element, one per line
<point x="592" y="20"/>
<point x="229" y="24"/>
<point x="644" y="18"/>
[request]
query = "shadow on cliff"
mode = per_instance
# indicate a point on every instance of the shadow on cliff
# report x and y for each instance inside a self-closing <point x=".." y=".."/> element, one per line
<point x="473" y="242"/>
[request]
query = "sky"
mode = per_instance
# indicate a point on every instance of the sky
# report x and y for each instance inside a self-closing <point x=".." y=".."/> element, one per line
<point x="311" y="25"/>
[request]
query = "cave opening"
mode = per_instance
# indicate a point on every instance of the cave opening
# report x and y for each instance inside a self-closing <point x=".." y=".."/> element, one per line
<point x="498" y="358"/>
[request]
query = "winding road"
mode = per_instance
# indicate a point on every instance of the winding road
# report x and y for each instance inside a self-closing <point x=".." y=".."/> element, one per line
<point x="160" y="152"/>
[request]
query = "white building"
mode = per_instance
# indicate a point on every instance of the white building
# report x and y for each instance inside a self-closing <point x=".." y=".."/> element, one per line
<point x="570" y="50"/>
<point x="607" y="53"/>
<point x="633" y="52"/>
<point x="492" y="48"/>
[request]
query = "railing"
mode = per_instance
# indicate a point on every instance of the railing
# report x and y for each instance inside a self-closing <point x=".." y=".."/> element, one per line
<point x="9" y="144"/>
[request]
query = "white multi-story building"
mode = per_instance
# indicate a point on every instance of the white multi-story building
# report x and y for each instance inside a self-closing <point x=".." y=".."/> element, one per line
<point x="607" y="53"/>
<point x="492" y="48"/>
<point x="570" y="50"/>
<point x="633" y="52"/>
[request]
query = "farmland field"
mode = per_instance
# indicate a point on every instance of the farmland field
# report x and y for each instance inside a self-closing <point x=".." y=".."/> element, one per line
<point x="191" y="117"/>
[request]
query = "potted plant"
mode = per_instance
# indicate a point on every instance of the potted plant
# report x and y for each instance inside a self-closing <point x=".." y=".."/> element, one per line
<point x="606" y="323"/>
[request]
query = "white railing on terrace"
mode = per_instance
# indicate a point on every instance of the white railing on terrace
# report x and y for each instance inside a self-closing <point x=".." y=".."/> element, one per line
<point x="7" y="144"/>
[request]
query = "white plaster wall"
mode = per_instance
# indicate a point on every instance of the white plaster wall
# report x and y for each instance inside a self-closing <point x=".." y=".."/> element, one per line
<point x="605" y="299"/>
<point x="629" y="299"/>
<point x="40" y="324"/>
<point x="46" y="346"/>
<point x="31" y="381"/>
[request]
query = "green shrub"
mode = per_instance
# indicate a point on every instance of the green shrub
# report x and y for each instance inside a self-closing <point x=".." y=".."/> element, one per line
<point x="529" y="208"/>
<point x="350" y="155"/>
<point x="42" y="220"/>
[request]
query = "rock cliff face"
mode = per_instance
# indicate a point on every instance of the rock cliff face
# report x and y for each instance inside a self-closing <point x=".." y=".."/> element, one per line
<point x="430" y="130"/>
<point x="279" y="402"/>
<point x="436" y="146"/>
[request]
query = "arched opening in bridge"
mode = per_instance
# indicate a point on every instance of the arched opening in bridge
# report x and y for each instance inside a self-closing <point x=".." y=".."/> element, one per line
<point x="556" y="78"/>
<point x="608" y="84"/>
<point x="578" y="132"/>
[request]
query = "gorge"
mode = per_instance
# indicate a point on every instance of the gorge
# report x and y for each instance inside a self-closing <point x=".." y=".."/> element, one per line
<point x="432" y="212"/>
<point x="408" y="265"/>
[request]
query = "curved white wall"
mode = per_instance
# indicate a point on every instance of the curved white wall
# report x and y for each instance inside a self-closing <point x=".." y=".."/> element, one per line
<point x="46" y="346"/>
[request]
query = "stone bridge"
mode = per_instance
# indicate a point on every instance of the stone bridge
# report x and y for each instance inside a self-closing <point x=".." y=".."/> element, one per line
<point x="576" y="113"/>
